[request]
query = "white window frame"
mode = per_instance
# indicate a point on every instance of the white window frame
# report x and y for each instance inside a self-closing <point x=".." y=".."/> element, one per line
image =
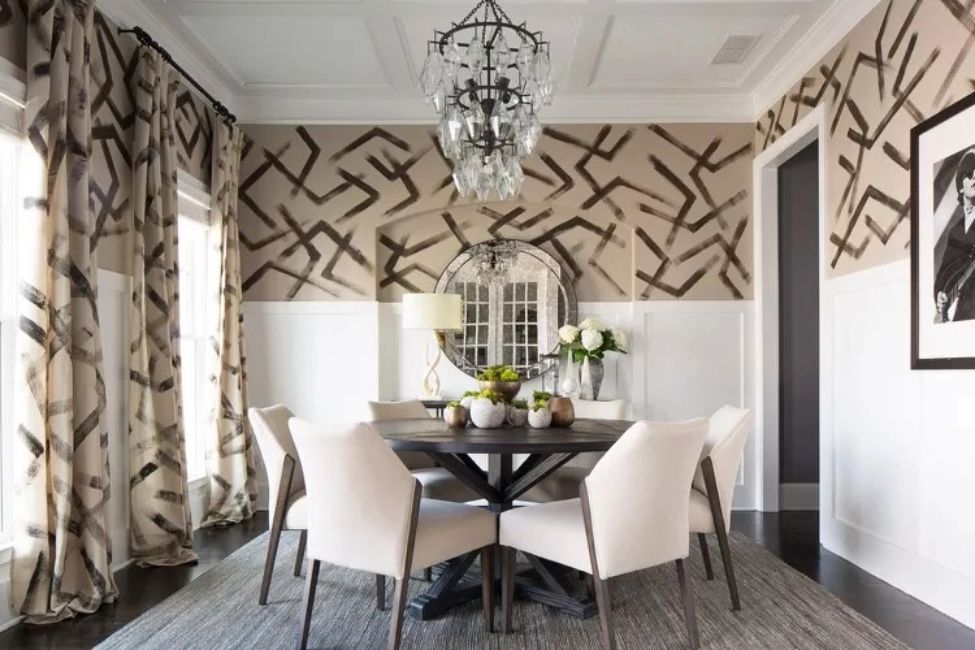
<point x="12" y="127"/>
<point x="194" y="204"/>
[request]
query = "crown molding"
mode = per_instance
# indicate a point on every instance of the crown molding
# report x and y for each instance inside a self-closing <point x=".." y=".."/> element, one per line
<point x="829" y="29"/>
<point x="200" y="64"/>
<point x="566" y="109"/>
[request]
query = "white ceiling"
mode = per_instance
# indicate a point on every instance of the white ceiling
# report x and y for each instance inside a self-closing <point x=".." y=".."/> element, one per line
<point x="357" y="61"/>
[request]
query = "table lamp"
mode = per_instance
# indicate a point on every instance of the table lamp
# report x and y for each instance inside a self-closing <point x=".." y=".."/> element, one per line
<point x="439" y="312"/>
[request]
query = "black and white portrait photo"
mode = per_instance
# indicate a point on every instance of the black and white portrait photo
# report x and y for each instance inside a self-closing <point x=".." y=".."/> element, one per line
<point x="954" y="236"/>
<point x="943" y="239"/>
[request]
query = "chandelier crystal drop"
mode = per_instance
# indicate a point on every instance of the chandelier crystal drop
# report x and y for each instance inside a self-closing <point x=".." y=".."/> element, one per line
<point x="487" y="78"/>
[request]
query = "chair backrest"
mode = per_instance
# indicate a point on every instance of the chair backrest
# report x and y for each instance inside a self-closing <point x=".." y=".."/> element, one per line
<point x="270" y="427"/>
<point x="411" y="409"/>
<point x="360" y="497"/>
<point x="727" y="433"/>
<point x="637" y="495"/>
<point x="596" y="410"/>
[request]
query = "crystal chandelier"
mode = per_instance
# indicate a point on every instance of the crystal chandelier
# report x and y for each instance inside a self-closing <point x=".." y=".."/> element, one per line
<point x="487" y="78"/>
<point x="494" y="261"/>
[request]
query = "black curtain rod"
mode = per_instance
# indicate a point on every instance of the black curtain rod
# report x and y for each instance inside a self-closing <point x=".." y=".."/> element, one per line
<point x="144" y="39"/>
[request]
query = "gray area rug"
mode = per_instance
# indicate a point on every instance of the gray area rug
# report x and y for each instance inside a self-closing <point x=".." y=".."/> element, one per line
<point x="781" y="608"/>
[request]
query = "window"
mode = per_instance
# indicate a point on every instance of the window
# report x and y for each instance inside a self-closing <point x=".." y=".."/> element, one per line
<point x="196" y="314"/>
<point x="18" y="168"/>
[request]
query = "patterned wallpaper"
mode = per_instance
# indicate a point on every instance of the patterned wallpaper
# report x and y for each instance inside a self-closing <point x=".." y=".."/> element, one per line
<point x="904" y="62"/>
<point x="363" y="213"/>
<point x="113" y="115"/>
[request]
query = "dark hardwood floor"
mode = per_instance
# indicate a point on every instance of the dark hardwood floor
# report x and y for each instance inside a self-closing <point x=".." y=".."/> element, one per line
<point x="790" y="535"/>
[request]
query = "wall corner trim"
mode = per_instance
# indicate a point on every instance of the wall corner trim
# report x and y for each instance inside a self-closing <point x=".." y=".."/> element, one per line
<point x="827" y="32"/>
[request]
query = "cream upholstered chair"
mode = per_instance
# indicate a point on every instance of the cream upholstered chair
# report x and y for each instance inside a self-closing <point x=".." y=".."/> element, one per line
<point x="714" y="487"/>
<point x="631" y="515"/>
<point x="437" y="482"/>
<point x="286" y="482"/>
<point x="564" y="482"/>
<point x="365" y="512"/>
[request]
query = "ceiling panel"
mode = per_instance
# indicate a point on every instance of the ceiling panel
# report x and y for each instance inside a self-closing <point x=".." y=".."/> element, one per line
<point x="287" y="50"/>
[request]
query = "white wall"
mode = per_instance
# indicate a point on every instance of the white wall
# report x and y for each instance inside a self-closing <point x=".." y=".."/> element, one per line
<point x="897" y="447"/>
<point x="326" y="360"/>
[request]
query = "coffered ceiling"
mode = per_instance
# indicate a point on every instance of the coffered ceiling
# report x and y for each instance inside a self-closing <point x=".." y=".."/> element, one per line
<point x="357" y="61"/>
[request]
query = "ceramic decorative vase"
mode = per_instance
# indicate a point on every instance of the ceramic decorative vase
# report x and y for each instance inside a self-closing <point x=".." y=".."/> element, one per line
<point x="508" y="389"/>
<point x="563" y="415"/>
<point x="487" y="415"/>
<point x="467" y="401"/>
<point x="540" y="419"/>
<point x="570" y="385"/>
<point x="517" y="417"/>
<point x="592" y="378"/>
<point x="455" y="417"/>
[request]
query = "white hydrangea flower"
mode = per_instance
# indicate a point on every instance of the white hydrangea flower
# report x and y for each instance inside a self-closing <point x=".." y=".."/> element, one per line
<point x="568" y="333"/>
<point x="592" y="339"/>
<point x="620" y="337"/>
<point x="590" y="324"/>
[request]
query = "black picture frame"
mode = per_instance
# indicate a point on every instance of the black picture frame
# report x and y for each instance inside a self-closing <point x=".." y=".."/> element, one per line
<point x="918" y="362"/>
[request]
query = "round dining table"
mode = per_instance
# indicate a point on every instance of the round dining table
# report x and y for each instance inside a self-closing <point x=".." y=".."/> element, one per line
<point x="545" y="450"/>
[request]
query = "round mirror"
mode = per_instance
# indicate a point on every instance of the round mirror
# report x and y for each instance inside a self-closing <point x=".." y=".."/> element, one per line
<point x="515" y="297"/>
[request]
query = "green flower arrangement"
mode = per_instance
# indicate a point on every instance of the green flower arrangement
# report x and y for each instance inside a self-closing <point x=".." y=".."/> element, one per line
<point x="540" y="400"/>
<point x="499" y="373"/>
<point x="470" y="393"/>
<point x="454" y="403"/>
<point x="520" y="404"/>
<point x="493" y="395"/>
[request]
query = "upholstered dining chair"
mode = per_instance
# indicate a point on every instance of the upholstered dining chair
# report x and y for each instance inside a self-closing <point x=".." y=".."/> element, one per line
<point x="564" y="482"/>
<point x="365" y="512"/>
<point x="631" y="514"/>
<point x="437" y="482"/>
<point x="286" y="481"/>
<point x="714" y="487"/>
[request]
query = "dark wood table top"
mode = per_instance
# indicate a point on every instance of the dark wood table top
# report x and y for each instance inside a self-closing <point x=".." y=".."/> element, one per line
<point x="434" y="436"/>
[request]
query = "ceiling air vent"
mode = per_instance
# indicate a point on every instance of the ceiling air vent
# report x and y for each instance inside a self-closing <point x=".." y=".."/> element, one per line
<point x="735" y="49"/>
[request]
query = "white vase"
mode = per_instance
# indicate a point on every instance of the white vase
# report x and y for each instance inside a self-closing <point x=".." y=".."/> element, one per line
<point x="585" y="381"/>
<point x="485" y="414"/>
<point x="570" y="385"/>
<point x="540" y="419"/>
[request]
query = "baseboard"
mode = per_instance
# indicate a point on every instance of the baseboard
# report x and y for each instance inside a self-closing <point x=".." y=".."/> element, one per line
<point x="799" y="496"/>
<point x="11" y="623"/>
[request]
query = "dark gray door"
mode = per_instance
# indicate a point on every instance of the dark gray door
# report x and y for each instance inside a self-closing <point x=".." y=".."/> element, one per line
<point x="799" y="317"/>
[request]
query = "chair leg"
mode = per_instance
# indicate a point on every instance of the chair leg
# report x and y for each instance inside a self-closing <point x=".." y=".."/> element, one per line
<point x="310" y="585"/>
<point x="729" y="569"/>
<point x="300" y="558"/>
<point x="487" y="586"/>
<point x="690" y="619"/>
<point x="272" y="552"/>
<point x="380" y="593"/>
<point x="706" y="555"/>
<point x="507" y="586"/>
<point x="608" y="638"/>
<point x="399" y="606"/>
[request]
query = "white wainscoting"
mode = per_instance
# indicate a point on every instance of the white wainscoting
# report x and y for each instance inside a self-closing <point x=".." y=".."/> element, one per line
<point x="896" y="447"/>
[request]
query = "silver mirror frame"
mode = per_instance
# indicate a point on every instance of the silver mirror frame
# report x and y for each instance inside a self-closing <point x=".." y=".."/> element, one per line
<point x="566" y="289"/>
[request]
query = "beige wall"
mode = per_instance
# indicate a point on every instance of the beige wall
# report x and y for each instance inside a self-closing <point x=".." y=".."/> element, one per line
<point x="113" y="114"/>
<point x="363" y="213"/>
<point x="904" y="62"/>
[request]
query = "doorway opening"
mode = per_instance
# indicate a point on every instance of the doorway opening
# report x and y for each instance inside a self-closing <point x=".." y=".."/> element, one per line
<point x="799" y="350"/>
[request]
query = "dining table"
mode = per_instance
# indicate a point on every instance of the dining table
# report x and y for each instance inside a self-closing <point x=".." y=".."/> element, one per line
<point x="541" y="451"/>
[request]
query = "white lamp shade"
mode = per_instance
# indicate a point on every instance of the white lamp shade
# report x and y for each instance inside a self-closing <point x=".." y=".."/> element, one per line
<point x="432" y="311"/>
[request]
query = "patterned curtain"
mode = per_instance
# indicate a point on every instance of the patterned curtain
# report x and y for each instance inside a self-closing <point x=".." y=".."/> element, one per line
<point x="230" y="454"/>
<point x="161" y="532"/>
<point x="62" y="552"/>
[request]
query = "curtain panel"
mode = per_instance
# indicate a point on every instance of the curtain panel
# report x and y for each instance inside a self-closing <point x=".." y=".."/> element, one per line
<point x="62" y="548"/>
<point x="230" y="457"/>
<point x="161" y="531"/>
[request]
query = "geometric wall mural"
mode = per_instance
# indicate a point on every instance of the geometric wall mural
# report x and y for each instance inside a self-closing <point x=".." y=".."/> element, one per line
<point x="368" y="212"/>
<point x="113" y="61"/>
<point x="904" y="62"/>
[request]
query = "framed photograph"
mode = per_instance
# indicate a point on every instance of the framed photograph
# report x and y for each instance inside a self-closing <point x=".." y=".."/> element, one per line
<point x="943" y="239"/>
